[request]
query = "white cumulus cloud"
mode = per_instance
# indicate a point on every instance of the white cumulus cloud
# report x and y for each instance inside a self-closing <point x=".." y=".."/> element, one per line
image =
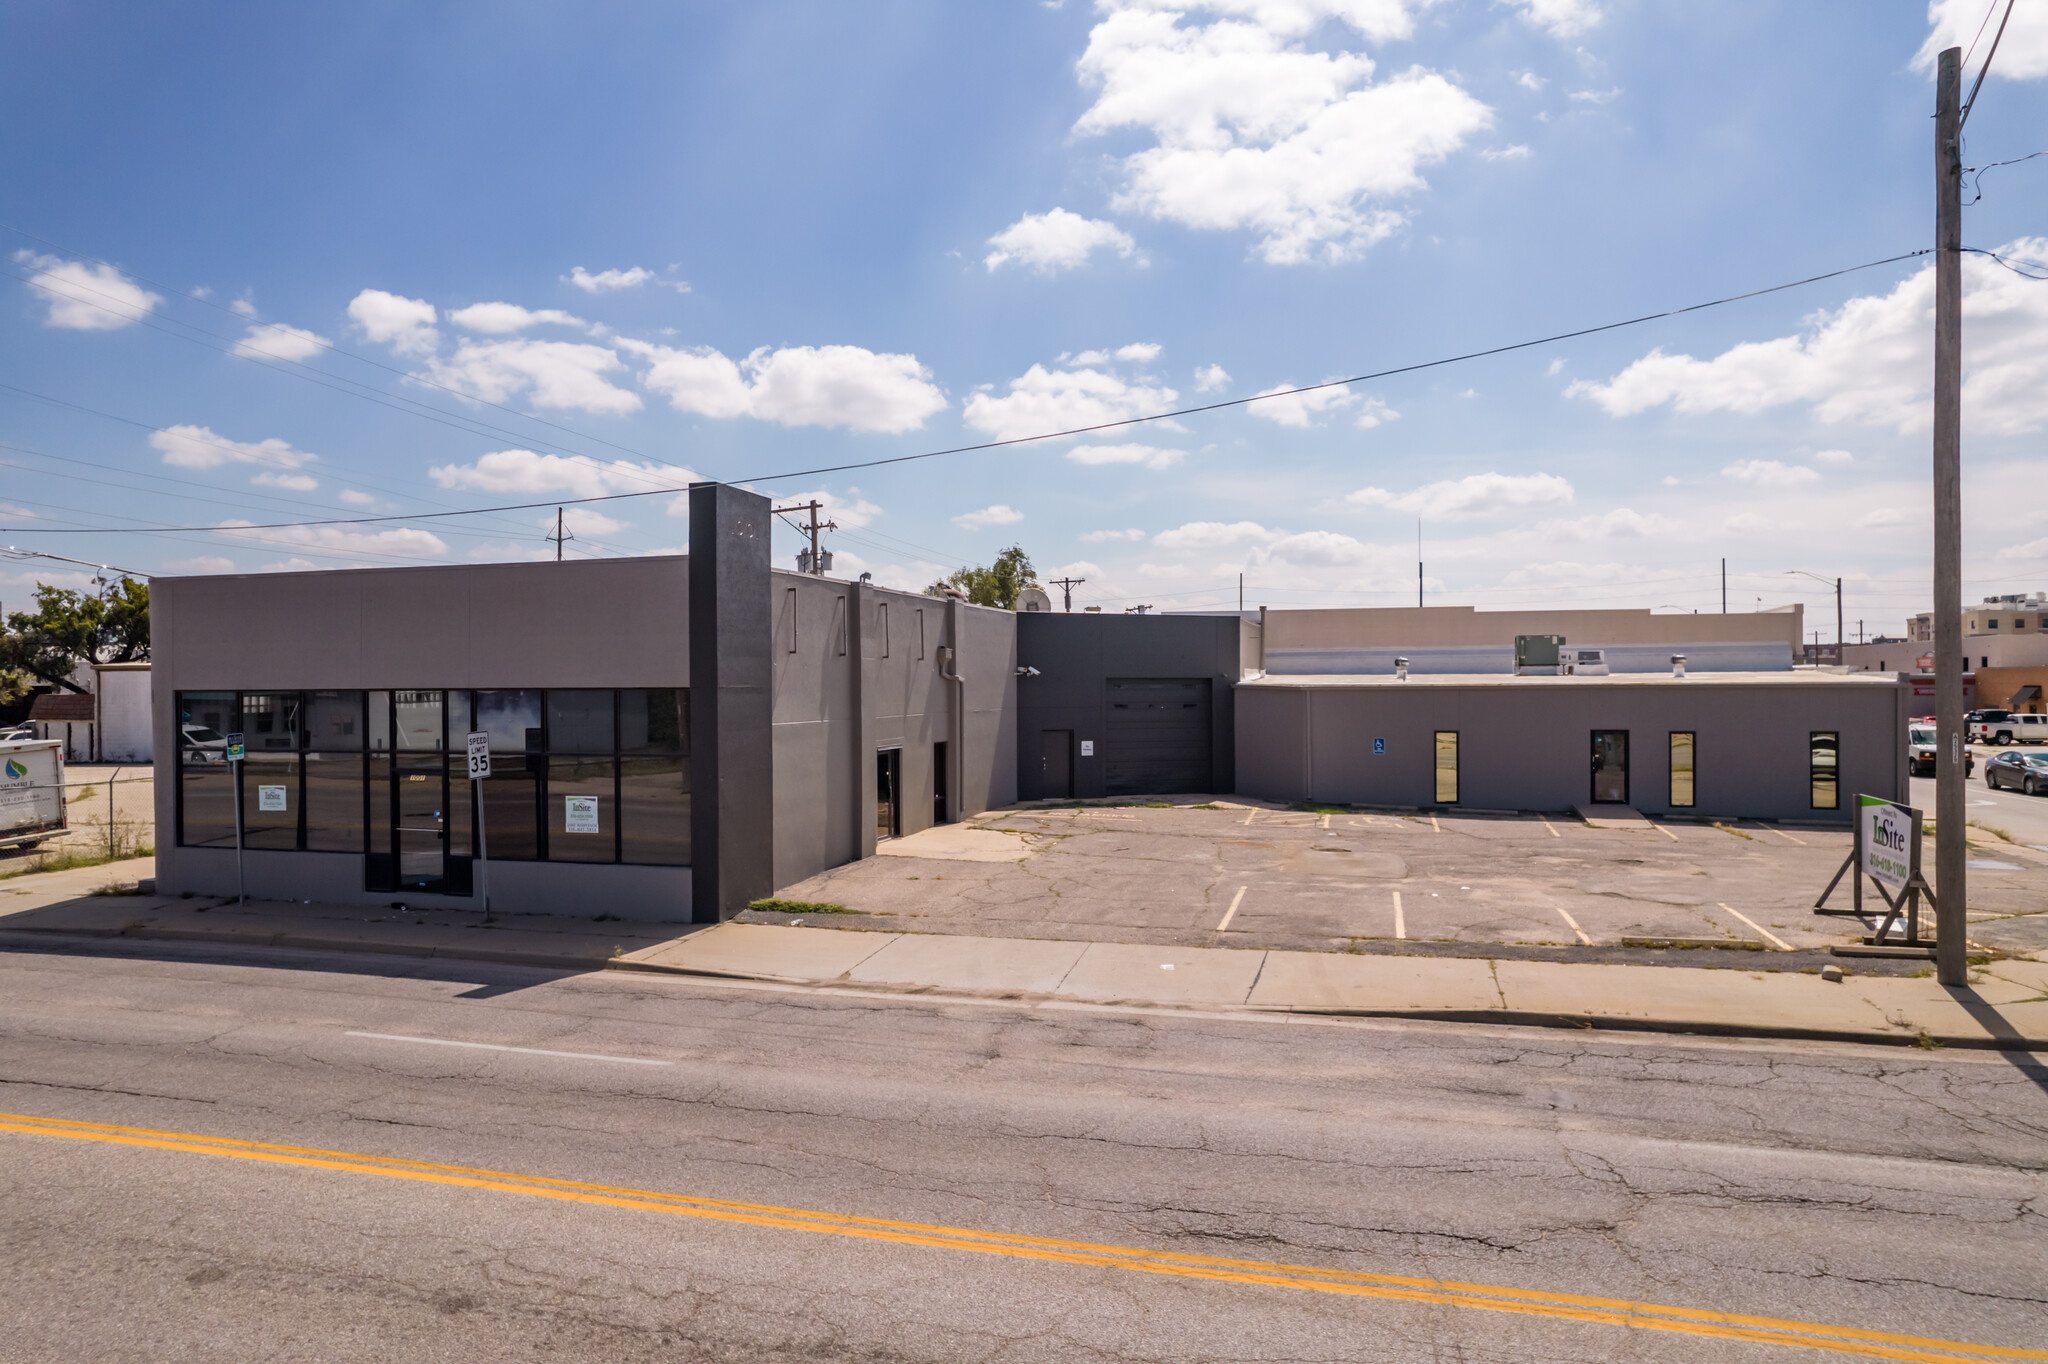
<point x="1214" y="535"/>
<point x="1151" y="456"/>
<point x="796" y="385"/>
<point x="2022" y="52"/>
<point x="524" y="471"/>
<point x="198" y="447"/>
<point x="1376" y="413"/>
<point x="997" y="515"/>
<point x="1041" y="400"/>
<point x="1056" y="241"/>
<point x="583" y="521"/>
<point x="559" y="374"/>
<point x="608" y="281"/>
<point x="1836" y="457"/>
<point x="1256" y="129"/>
<point x="499" y="319"/>
<point x="356" y="497"/>
<point x="399" y="542"/>
<point x="1456" y="499"/>
<point x="275" y="341"/>
<point x="1210" y="378"/>
<point x="1517" y="152"/>
<point x="404" y="324"/>
<point x="851" y="511"/>
<point x="1100" y="537"/>
<point x="1300" y="410"/>
<point x="1770" y="473"/>
<point x="1559" y="18"/>
<point x="1871" y="360"/>
<point x="201" y="563"/>
<point x="298" y="483"/>
<point x="87" y="296"/>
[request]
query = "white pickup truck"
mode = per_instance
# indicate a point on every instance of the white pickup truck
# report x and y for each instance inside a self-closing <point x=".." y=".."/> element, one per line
<point x="2008" y="727"/>
<point x="31" y="792"/>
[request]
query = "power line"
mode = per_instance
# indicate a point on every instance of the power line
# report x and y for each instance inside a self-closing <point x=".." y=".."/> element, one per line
<point x="1964" y="117"/>
<point x="1104" y="426"/>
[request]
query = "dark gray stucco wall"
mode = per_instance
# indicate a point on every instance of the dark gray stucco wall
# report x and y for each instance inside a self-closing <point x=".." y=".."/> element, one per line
<point x="1528" y="747"/>
<point x="731" y="744"/>
<point x="859" y="669"/>
<point x="1076" y="653"/>
<point x="583" y="623"/>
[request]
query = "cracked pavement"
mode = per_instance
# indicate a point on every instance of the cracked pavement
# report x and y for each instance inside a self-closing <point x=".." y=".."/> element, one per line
<point x="1892" y="1191"/>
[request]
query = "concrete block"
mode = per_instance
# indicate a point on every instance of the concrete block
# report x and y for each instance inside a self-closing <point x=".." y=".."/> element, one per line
<point x="1163" y="975"/>
<point x="1322" y="980"/>
<point x="1005" y="965"/>
<point x="770" y="950"/>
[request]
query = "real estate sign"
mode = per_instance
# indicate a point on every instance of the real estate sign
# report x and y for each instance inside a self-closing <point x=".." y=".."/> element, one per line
<point x="1889" y="841"/>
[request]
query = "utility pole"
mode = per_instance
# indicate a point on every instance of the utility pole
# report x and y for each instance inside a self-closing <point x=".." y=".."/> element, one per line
<point x="815" y="563"/>
<point x="559" y="536"/>
<point x="1951" y="853"/>
<point x="1240" y="594"/>
<point x="1724" y="585"/>
<point x="1067" y="586"/>
<point x="1418" y="563"/>
<point x="1838" y="620"/>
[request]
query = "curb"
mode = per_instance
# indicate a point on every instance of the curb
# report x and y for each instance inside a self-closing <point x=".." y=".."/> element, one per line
<point x="1497" y="1017"/>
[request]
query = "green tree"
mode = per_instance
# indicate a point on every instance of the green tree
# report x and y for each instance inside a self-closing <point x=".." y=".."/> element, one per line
<point x="68" y="628"/>
<point x="998" y="585"/>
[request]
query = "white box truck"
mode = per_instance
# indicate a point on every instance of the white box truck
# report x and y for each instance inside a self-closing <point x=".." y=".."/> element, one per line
<point x="31" y="792"/>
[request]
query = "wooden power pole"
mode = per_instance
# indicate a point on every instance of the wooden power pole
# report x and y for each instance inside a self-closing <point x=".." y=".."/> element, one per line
<point x="1951" y="852"/>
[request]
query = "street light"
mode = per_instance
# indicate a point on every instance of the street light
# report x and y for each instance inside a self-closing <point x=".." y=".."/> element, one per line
<point x="1838" y="603"/>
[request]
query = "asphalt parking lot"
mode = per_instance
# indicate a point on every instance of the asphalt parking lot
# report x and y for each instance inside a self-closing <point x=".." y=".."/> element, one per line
<point x="1228" y="872"/>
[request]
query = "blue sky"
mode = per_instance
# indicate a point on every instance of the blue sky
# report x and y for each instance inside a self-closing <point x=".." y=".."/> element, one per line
<point x="304" y="262"/>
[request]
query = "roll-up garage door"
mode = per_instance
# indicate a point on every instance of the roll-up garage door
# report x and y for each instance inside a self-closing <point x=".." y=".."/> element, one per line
<point x="1157" y="741"/>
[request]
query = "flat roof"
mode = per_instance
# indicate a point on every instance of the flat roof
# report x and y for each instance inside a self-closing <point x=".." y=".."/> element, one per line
<point x="1788" y="677"/>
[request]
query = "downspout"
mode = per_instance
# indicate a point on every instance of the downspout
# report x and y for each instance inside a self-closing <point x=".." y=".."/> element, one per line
<point x="956" y="719"/>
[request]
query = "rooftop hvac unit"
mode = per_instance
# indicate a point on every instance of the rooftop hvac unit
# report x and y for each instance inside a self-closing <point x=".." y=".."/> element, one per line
<point x="1582" y="662"/>
<point x="1537" y="655"/>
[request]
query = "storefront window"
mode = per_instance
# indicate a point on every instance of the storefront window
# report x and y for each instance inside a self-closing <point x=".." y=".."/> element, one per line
<point x="1681" y="769"/>
<point x="334" y="802"/>
<point x="206" y="790"/>
<point x="511" y="718"/>
<point x="1823" y="768"/>
<point x="334" y="721"/>
<point x="582" y="803"/>
<point x="580" y="722"/>
<point x="511" y="805"/>
<point x="270" y="721"/>
<point x="1446" y="767"/>
<point x="417" y="716"/>
<point x="270" y="801"/>
<point x="654" y="810"/>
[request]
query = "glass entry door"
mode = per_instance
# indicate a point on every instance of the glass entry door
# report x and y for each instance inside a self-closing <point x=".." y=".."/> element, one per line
<point x="422" y="811"/>
<point x="1610" y="767"/>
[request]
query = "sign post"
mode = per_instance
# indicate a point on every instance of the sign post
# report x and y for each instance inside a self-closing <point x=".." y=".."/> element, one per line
<point x="1887" y="850"/>
<point x="235" y="750"/>
<point x="479" y="768"/>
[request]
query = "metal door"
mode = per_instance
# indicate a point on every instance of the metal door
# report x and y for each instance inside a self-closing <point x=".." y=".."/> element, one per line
<point x="1610" y="767"/>
<point x="422" y="818"/>
<point x="1157" y="736"/>
<point x="1056" y="764"/>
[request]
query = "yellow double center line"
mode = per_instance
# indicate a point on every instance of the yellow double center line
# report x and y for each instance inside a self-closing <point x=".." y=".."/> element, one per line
<point x="1643" y="1316"/>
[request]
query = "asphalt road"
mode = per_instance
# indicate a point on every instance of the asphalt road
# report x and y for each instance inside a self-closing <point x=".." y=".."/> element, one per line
<point x="2022" y="816"/>
<point x="1885" y="1190"/>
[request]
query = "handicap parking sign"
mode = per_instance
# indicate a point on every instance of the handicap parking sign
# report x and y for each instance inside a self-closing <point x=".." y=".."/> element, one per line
<point x="1379" y="746"/>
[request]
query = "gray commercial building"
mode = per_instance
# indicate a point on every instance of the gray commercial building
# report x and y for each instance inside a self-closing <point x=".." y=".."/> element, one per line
<point x="670" y="736"/>
<point x="1130" y="704"/>
<point x="1777" y="745"/>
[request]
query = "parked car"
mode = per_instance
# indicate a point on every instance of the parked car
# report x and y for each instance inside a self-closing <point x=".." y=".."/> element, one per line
<point x="1920" y="750"/>
<point x="203" y="746"/>
<point x="2026" y="772"/>
<point x="19" y="734"/>
<point x="2009" y="727"/>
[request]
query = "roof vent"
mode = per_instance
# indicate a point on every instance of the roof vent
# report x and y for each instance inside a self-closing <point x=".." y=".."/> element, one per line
<point x="1678" y="665"/>
<point x="1401" y="668"/>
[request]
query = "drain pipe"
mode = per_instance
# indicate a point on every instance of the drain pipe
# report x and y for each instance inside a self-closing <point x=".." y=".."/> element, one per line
<point x="956" y="726"/>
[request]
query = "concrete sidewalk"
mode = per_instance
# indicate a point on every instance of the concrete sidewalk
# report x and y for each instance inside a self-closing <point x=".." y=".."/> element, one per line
<point x="2005" y="1006"/>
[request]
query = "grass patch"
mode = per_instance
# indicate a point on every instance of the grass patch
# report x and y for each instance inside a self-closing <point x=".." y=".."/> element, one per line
<point x="772" y="906"/>
<point x="1309" y="807"/>
<point x="1991" y="829"/>
<point x="1731" y="829"/>
<point x="65" y="859"/>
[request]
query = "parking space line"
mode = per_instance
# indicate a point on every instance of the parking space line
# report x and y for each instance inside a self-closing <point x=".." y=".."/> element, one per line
<point x="1231" y="913"/>
<point x="1782" y="834"/>
<point x="1251" y="815"/>
<point x="1552" y="827"/>
<point x="1574" y="925"/>
<point x="1662" y="830"/>
<point x="1433" y="824"/>
<point x="1400" y="924"/>
<point x="1326" y="821"/>
<point x="1767" y="935"/>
